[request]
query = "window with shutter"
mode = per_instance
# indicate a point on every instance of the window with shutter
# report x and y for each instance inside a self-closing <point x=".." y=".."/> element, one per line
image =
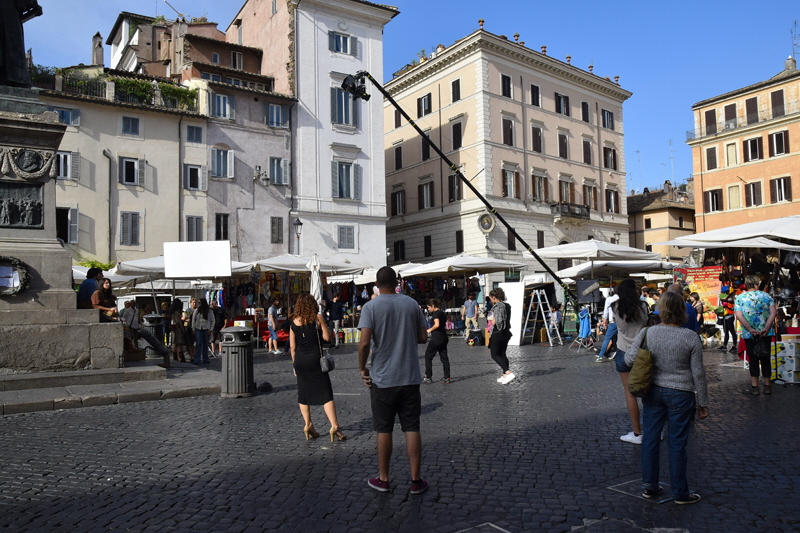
<point x="608" y="119"/>
<point x="130" y="126"/>
<point x="426" y="147"/>
<point x="192" y="178"/>
<point x="425" y="191"/>
<point x="730" y="116"/>
<point x="776" y="98"/>
<point x="536" y="136"/>
<point x="128" y="171"/>
<point x="342" y="44"/>
<point x="73" y="226"/>
<point x="237" y="61"/>
<point x="734" y="197"/>
<point x="194" y="134"/>
<point x="453" y="188"/>
<point x="711" y="121"/>
<point x="194" y="228"/>
<point x="63" y="165"/>
<point x="427" y="246"/>
<point x="344" y="110"/>
<point x="398" y="118"/>
<point x="562" y="146"/>
<point x="779" y="143"/>
<point x="505" y="85"/>
<point x="424" y="105"/>
<point x="459" y="241"/>
<point x="536" y="99"/>
<point x="780" y="190"/>
<point x="346" y="237"/>
<point x="562" y="104"/>
<point x="276" y="230"/>
<point x="278" y="115"/>
<point x="511" y="242"/>
<point x="399" y="250"/>
<point x="457" y="136"/>
<point x="711" y="158"/>
<point x="508" y="132"/>
<point x="129" y="228"/>
<point x="221" y="227"/>
<point x="455" y="90"/>
<point x="585" y="111"/>
<point x="587" y="152"/>
<point x="751" y="110"/>
<point x="398" y="157"/>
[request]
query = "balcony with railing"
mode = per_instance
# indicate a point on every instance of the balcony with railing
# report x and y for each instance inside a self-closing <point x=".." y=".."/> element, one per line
<point x="564" y="209"/>
<point x="84" y="87"/>
<point x="724" y="126"/>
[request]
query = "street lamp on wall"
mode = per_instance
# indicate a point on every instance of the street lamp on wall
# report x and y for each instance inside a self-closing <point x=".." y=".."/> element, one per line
<point x="298" y="229"/>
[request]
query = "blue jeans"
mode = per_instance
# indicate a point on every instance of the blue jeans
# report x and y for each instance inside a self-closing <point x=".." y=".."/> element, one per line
<point x="201" y="345"/>
<point x="610" y="332"/>
<point x="676" y="407"/>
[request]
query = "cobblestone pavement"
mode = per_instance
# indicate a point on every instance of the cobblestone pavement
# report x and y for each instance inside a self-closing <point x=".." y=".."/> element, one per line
<point x="536" y="455"/>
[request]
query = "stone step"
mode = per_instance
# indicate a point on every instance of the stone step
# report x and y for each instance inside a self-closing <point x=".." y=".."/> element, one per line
<point x="140" y="371"/>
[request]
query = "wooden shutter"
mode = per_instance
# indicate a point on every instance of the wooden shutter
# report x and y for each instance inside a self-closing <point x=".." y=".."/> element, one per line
<point x="566" y="105"/>
<point x="356" y="181"/>
<point x="231" y="108"/>
<point x="760" y="142"/>
<point x="120" y="170"/>
<point x="420" y="203"/>
<point x="757" y="194"/>
<point x="284" y="171"/>
<point x="536" y="135"/>
<point x="617" y="207"/>
<point x="395" y="200"/>
<point x="539" y="239"/>
<point x="335" y="179"/>
<point x="706" y="201"/>
<point x="585" y="111"/>
<point x="397" y="118"/>
<point x="587" y="152"/>
<point x="776" y="98"/>
<point x="231" y="162"/>
<point x="284" y="116"/>
<point x="353" y="46"/>
<point x="186" y="179"/>
<point x="334" y="117"/>
<point x="134" y="235"/>
<point x="745" y="151"/>
<point x="614" y="159"/>
<point x="730" y="115"/>
<point x="203" y="178"/>
<point x="535" y="97"/>
<point x="419" y="107"/>
<point x="433" y="196"/>
<point x="141" y="173"/>
<point x="331" y="41"/>
<point x="354" y="106"/>
<point x="771" y="143"/>
<point x="788" y="181"/>
<point x="73" y="225"/>
<point x="76" y="117"/>
<point x="571" y="193"/>
<point x="517" y="186"/>
<point x="711" y="158"/>
<point x="457" y="136"/>
<point x="786" y="142"/>
<point x="711" y="121"/>
<point x="751" y="110"/>
<point x="75" y="166"/>
<point x="748" y="197"/>
<point x="558" y="103"/>
<point x="773" y="191"/>
<point x="214" y="170"/>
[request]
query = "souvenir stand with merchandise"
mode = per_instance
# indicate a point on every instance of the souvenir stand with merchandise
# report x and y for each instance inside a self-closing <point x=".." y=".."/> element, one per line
<point x="451" y="291"/>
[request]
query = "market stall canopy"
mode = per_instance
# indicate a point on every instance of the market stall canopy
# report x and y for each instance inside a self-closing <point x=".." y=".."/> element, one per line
<point x="782" y="228"/>
<point x="155" y="267"/>
<point x="369" y="274"/>
<point x="298" y="263"/>
<point x="595" y="269"/>
<point x="593" y="250"/>
<point x="466" y="264"/>
<point x="753" y="242"/>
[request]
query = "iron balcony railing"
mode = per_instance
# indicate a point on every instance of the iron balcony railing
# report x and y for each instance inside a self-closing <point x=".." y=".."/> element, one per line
<point x="749" y="119"/>
<point x="564" y="209"/>
<point x="84" y="87"/>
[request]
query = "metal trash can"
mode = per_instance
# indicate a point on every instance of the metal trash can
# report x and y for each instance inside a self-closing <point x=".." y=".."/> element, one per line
<point x="237" y="363"/>
<point x="151" y="323"/>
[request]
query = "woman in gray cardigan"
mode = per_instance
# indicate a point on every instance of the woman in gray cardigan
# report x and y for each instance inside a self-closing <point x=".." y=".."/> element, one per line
<point x="678" y="384"/>
<point x="202" y="324"/>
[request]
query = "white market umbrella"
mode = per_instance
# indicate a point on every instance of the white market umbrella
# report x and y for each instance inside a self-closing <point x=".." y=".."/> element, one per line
<point x="465" y="264"/>
<point x="753" y="242"/>
<point x="79" y="274"/>
<point x="299" y="263"/>
<point x="614" y="268"/>
<point x="593" y="250"/>
<point x="316" y="278"/>
<point x="369" y="274"/>
<point x="783" y="228"/>
<point x="155" y="267"/>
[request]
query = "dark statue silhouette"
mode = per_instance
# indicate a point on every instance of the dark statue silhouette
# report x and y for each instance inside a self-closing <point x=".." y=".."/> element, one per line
<point x="13" y="66"/>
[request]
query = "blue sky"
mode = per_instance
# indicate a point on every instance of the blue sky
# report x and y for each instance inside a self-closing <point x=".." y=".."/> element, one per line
<point x="669" y="54"/>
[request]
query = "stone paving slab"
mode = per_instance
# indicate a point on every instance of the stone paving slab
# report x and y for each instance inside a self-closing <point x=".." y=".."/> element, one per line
<point x="536" y="455"/>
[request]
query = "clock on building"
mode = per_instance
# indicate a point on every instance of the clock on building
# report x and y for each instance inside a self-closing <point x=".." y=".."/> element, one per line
<point x="486" y="222"/>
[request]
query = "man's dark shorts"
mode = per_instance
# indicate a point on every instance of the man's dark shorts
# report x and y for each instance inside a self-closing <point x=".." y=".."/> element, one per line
<point x="404" y="402"/>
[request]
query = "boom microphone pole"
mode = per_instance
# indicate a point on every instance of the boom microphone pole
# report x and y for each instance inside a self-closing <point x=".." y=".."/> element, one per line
<point x="355" y="86"/>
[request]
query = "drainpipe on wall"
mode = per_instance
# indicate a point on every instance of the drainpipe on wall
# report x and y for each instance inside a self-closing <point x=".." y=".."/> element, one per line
<point x="110" y="156"/>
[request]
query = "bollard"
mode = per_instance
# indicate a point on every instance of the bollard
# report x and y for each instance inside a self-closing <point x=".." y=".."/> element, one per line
<point x="150" y="324"/>
<point x="237" y="363"/>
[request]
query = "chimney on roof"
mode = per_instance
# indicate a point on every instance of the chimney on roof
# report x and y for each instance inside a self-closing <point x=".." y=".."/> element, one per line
<point x="790" y="64"/>
<point x="97" y="50"/>
<point x="646" y="192"/>
<point x="668" y="189"/>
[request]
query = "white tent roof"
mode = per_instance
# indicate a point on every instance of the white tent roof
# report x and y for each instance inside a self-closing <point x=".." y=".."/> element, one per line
<point x="79" y="274"/>
<point x="464" y="264"/>
<point x="155" y="266"/>
<point x="784" y="228"/>
<point x="594" y="249"/>
<point x="368" y="276"/>
<point x="298" y="263"/>
<point x="753" y="242"/>
<point x="598" y="269"/>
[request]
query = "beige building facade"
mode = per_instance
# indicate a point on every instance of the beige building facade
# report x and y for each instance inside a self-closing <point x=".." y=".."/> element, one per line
<point x="542" y="140"/>
<point x="661" y="215"/>
<point x="746" y="152"/>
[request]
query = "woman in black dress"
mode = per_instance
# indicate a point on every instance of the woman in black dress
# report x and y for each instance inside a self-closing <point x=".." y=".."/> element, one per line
<point x="313" y="385"/>
<point x="438" y="343"/>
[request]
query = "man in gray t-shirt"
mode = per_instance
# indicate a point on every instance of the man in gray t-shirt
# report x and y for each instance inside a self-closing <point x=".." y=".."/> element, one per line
<point x="392" y="325"/>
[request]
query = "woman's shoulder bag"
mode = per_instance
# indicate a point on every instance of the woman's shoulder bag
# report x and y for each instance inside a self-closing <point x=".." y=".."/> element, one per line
<point x="641" y="375"/>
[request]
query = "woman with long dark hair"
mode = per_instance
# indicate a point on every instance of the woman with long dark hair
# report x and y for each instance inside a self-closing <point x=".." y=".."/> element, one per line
<point x="677" y="386"/>
<point x="105" y="300"/>
<point x="631" y="316"/>
<point x="307" y="330"/>
<point x="202" y="324"/>
<point x="501" y="333"/>
<point x="177" y="331"/>
<point x="437" y="343"/>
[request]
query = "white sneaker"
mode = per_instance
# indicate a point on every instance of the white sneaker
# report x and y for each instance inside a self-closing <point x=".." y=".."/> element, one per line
<point x="501" y="378"/>
<point x="630" y="437"/>
<point x="506" y="379"/>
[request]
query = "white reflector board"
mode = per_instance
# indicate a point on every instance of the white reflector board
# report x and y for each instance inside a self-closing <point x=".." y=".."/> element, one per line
<point x="199" y="259"/>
